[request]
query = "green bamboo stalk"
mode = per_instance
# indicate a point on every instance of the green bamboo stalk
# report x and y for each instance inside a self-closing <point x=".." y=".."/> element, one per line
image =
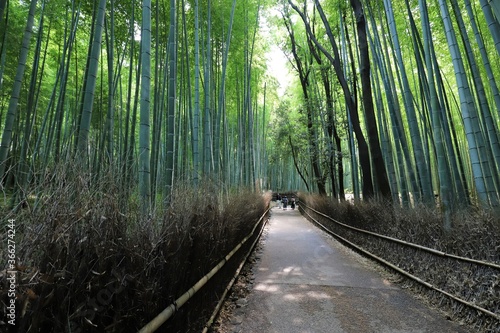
<point x="16" y="91"/>
<point x="91" y="79"/>
<point x="144" y="129"/>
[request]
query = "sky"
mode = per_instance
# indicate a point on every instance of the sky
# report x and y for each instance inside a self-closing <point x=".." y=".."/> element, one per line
<point x="276" y="59"/>
<point x="276" y="62"/>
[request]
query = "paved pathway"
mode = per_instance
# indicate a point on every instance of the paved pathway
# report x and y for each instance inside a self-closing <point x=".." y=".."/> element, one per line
<point x="307" y="282"/>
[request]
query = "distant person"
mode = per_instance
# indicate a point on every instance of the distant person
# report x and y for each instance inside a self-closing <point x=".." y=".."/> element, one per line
<point x="279" y="200"/>
<point x="292" y="203"/>
<point x="285" y="202"/>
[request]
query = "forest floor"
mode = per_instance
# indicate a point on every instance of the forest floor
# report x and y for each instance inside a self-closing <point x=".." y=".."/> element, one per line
<point x="299" y="279"/>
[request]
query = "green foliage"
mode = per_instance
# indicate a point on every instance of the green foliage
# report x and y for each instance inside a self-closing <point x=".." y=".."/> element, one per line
<point x="61" y="79"/>
<point x="59" y="84"/>
<point x="17" y="14"/>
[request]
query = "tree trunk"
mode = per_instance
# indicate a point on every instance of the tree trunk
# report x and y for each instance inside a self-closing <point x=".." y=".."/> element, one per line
<point x="493" y="23"/>
<point x="172" y="86"/>
<point x="16" y="91"/>
<point x="436" y="110"/>
<point x="304" y="82"/>
<point x="371" y="121"/>
<point x="469" y="113"/>
<point x="416" y="139"/>
<point x="364" y="154"/>
<point x="91" y="79"/>
<point x="144" y="129"/>
<point x="196" y="111"/>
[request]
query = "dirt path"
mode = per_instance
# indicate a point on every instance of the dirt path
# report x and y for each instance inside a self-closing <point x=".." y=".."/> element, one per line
<point x="305" y="282"/>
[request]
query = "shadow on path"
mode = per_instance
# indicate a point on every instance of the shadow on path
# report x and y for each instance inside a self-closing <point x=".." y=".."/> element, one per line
<point x="308" y="282"/>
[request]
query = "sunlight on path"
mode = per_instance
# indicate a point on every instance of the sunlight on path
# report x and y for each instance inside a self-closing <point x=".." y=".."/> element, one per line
<point x="307" y="282"/>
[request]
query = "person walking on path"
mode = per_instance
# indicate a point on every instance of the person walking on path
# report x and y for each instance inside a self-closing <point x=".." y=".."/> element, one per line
<point x="285" y="202"/>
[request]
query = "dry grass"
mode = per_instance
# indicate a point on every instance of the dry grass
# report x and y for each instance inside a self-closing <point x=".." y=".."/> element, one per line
<point x="475" y="234"/>
<point x="88" y="261"/>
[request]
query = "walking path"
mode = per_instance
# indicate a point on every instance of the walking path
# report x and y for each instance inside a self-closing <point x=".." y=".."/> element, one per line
<point x="307" y="282"/>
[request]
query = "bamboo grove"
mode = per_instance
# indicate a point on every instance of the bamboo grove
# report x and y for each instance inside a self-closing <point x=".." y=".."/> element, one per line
<point x="394" y="99"/>
<point x="153" y="92"/>
<point x="398" y="99"/>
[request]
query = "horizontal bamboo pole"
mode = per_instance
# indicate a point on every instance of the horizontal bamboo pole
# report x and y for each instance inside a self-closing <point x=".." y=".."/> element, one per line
<point x="161" y="318"/>
<point x="403" y="272"/>
<point x="230" y="284"/>
<point x="395" y="240"/>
